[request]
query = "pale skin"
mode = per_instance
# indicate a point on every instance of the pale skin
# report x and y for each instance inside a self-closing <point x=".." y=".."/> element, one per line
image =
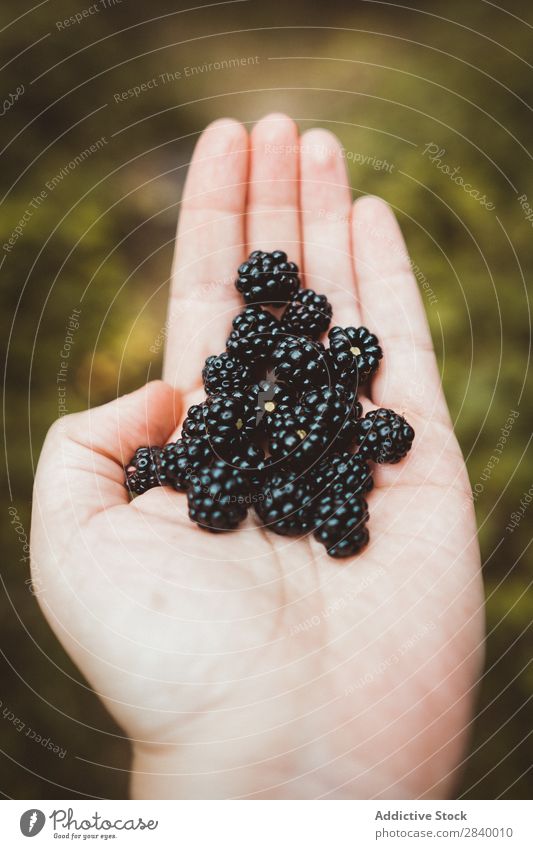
<point x="248" y="664"/>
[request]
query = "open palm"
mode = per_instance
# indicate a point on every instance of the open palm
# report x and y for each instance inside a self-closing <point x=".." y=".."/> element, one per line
<point x="249" y="664"/>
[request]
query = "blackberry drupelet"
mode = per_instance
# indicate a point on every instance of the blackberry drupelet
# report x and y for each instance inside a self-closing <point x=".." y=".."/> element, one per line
<point x="284" y="503"/>
<point x="142" y="470"/>
<point x="308" y="314"/>
<point x="254" y="334"/>
<point x="384" y="436"/>
<point x="223" y="374"/>
<point x="267" y="278"/>
<point x="341" y="525"/>
<point x="355" y="353"/>
<point x="218" y="497"/>
<point x="300" y="363"/>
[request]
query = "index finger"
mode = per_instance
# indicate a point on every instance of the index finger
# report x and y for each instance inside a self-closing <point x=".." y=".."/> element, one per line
<point x="210" y="246"/>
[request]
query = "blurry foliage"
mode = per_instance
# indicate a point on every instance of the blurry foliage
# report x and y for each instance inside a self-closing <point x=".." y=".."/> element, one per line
<point x="388" y="81"/>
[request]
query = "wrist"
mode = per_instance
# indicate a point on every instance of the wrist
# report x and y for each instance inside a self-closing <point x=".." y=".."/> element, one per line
<point x="255" y="752"/>
<point x="268" y="768"/>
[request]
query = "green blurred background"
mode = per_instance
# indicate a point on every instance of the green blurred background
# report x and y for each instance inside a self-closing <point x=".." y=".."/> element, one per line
<point x="389" y="80"/>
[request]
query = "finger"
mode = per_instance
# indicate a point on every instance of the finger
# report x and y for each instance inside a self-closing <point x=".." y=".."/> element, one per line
<point x="408" y="378"/>
<point x="326" y="202"/>
<point x="272" y="212"/>
<point x="209" y="248"/>
<point x="80" y="470"/>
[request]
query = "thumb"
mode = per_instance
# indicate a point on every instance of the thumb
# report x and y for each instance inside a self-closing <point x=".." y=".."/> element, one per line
<point x="80" y="471"/>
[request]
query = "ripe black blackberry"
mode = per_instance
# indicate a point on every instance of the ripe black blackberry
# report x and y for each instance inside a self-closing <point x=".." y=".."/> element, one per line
<point x="171" y="467"/>
<point x="268" y="397"/>
<point x="284" y="503"/>
<point x="296" y="441"/>
<point x="180" y="460"/>
<point x="306" y="409"/>
<point x="300" y="362"/>
<point x="384" y="436"/>
<point x="341" y="525"/>
<point x="267" y="278"/>
<point x="355" y="353"/>
<point x="199" y="452"/>
<point x="308" y="314"/>
<point x="218" y="497"/>
<point x="345" y="475"/>
<point x="249" y="459"/>
<point x="194" y="423"/>
<point x="142" y="470"/>
<point x="223" y="374"/>
<point x="228" y="418"/>
<point x="335" y="408"/>
<point x="254" y="334"/>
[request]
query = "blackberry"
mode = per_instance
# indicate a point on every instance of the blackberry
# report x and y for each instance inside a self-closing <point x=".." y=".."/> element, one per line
<point x="223" y="374"/>
<point x="218" y="497"/>
<point x="300" y="363"/>
<point x="344" y="475"/>
<point x="249" y="459"/>
<point x="355" y="353"/>
<point x="384" y="436"/>
<point x="297" y="441"/>
<point x="142" y="470"/>
<point x="308" y="314"/>
<point x="254" y="334"/>
<point x="171" y="467"/>
<point x="229" y="418"/>
<point x="305" y="409"/>
<point x="336" y="409"/>
<point x="181" y="459"/>
<point x="199" y="452"/>
<point x="268" y="397"/>
<point x="341" y="525"/>
<point x="284" y="503"/>
<point x="194" y="423"/>
<point x="267" y="278"/>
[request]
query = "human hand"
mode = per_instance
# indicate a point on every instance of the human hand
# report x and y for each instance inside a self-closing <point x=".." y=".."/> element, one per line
<point x="249" y="664"/>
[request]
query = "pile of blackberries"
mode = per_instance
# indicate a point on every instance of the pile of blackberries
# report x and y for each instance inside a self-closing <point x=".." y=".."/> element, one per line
<point x="281" y="427"/>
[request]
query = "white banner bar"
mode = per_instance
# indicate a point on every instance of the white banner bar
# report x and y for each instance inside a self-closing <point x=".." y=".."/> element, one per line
<point x="268" y="824"/>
